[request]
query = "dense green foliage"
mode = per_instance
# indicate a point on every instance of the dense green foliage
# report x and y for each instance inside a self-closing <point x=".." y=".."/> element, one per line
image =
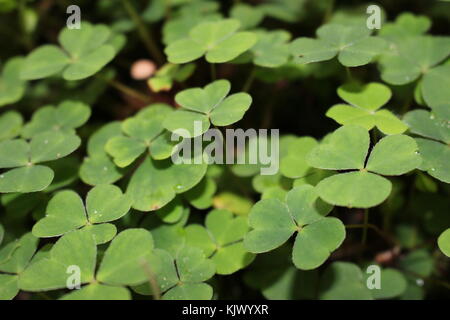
<point x="87" y="177"/>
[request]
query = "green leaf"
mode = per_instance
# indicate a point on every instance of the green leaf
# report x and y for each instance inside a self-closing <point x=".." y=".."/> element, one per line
<point x="201" y="196"/>
<point x="8" y="286"/>
<point x="15" y="256"/>
<point x="248" y="16"/>
<point x="274" y="222"/>
<point x="352" y="44"/>
<point x="208" y="103"/>
<point x="365" y="100"/>
<point x="357" y="189"/>
<point x="66" y="212"/>
<point x="12" y="87"/>
<point x="406" y="24"/>
<point x="435" y="84"/>
<point x="155" y="183"/>
<point x="345" y="149"/>
<point x="68" y="116"/>
<point x="435" y="157"/>
<point x="84" y="52"/>
<point x="394" y="155"/>
<point x="222" y="240"/>
<point x="10" y="125"/>
<point x="272" y="49"/>
<point x="219" y="41"/>
<point x="50" y="146"/>
<point x="98" y="292"/>
<point x="293" y="161"/>
<point x="26" y="179"/>
<point x="172" y="212"/>
<point x="343" y="281"/>
<point x="13" y="153"/>
<point x="444" y="242"/>
<point x="392" y="284"/>
<point x="429" y="125"/>
<point x="406" y="61"/>
<point x="99" y="169"/>
<point x="76" y="248"/>
<point x="122" y="262"/>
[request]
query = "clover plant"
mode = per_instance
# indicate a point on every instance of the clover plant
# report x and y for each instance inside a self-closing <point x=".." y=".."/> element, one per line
<point x="136" y="141"/>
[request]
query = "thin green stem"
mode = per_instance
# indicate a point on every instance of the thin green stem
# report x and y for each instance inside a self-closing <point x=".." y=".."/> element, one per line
<point x="144" y="32"/>
<point x="127" y="90"/>
<point x="152" y="280"/>
<point x="213" y="71"/>
<point x="328" y="12"/>
<point x="248" y="83"/>
<point x="349" y="74"/>
<point x="384" y="235"/>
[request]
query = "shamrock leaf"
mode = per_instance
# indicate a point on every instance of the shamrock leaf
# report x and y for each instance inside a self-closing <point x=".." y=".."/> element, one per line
<point x="219" y="41"/>
<point x="68" y="116"/>
<point x="98" y="168"/>
<point x="343" y="281"/>
<point x="165" y="77"/>
<point x="221" y="240"/>
<point x="406" y="24"/>
<point x="10" y="125"/>
<point x="293" y="152"/>
<point x="28" y="176"/>
<point x="406" y="61"/>
<point x="182" y="276"/>
<point x="141" y="132"/>
<point x="84" y="52"/>
<point x="122" y="265"/>
<point x="14" y="258"/>
<point x="365" y="102"/>
<point x="156" y="183"/>
<point x="205" y="105"/>
<point x="444" y="242"/>
<point x="346" y="149"/>
<point x="435" y="84"/>
<point x="392" y="284"/>
<point x="436" y="127"/>
<point x="172" y="212"/>
<point x="201" y="196"/>
<point x="66" y="212"/>
<point x="274" y="222"/>
<point x="248" y="16"/>
<point x="187" y="17"/>
<point x="352" y="44"/>
<point x="12" y="87"/>
<point x="272" y="49"/>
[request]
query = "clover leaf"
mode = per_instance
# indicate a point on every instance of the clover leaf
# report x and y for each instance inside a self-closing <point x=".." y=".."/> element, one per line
<point x="98" y="167"/>
<point x="343" y="281"/>
<point x="201" y="196"/>
<point x="365" y="102"/>
<point x="122" y="265"/>
<point x="182" y="276"/>
<point x="12" y="87"/>
<point x="435" y="86"/>
<point x="221" y="240"/>
<point x="248" y="16"/>
<point x="435" y="151"/>
<point x="293" y="152"/>
<point x="272" y="49"/>
<point x="444" y="242"/>
<point x="210" y="104"/>
<point x="156" y="183"/>
<point x="83" y="53"/>
<point x="14" y="258"/>
<point x="66" y="212"/>
<point x="68" y="116"/>
<point x="10" y="125"/>
<point x="165" y="77"/>
<point x="392" y="284"/>
<point x="219" y="41"/>
<point x="24" y="157"/>
<point x="141" y="132"/>
<point x="347" y="149"/>
<point x="352" y="44"/>
<point x="406" y="61"/>
<point x="406" y="24"/>
<point x="274" y="222"/>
